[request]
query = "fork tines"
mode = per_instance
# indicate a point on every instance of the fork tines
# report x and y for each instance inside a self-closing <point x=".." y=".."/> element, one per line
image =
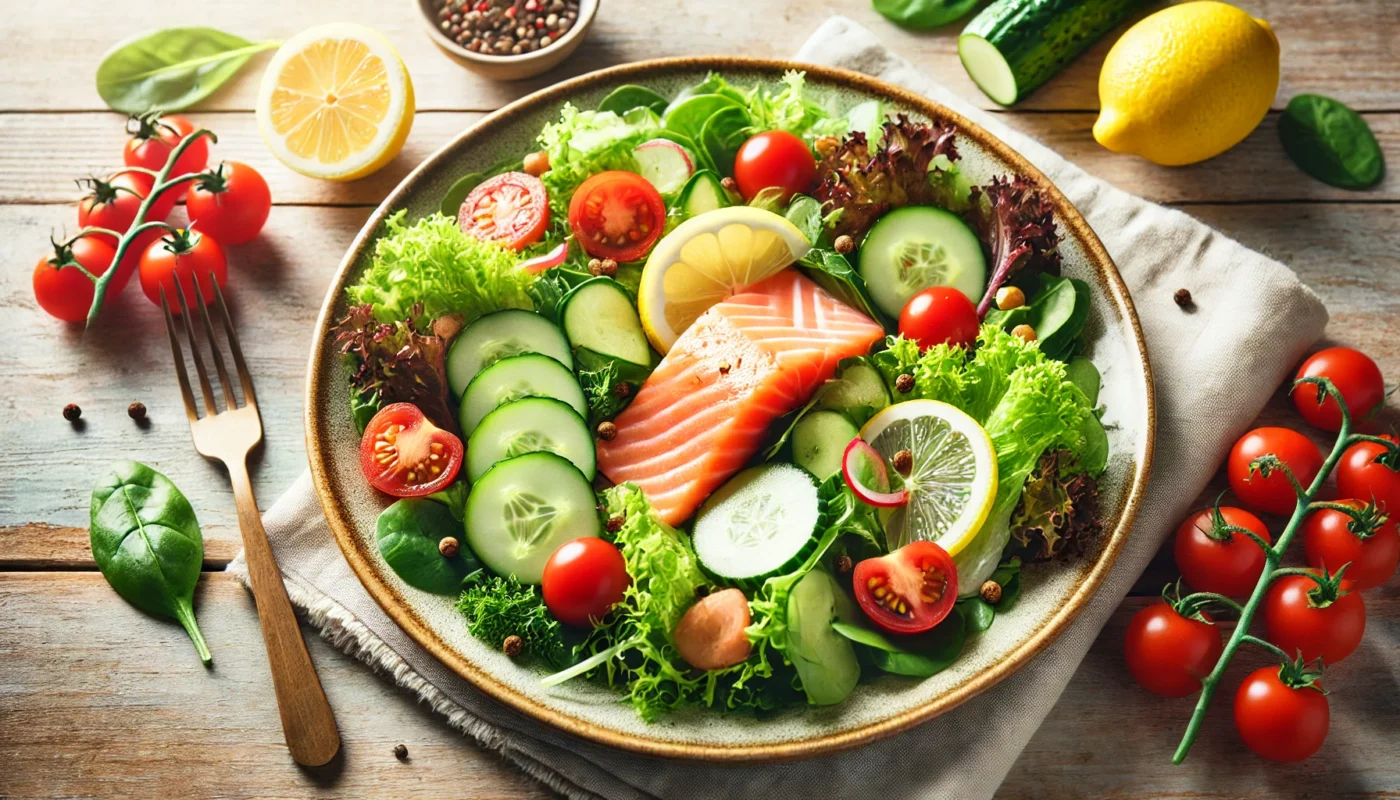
<point x="205" y="388"/>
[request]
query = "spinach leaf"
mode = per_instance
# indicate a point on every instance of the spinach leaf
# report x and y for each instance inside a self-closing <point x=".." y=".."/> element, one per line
<point x="917" y="656"/>
<point x="721" y="136"/>
<point x="1081" y="372"/>
<point x="1057" y="310"/>
<point x="408" y="533"/>
<point x="146" y="540"/>
<point x="363" y="407"/>
<point x="806" y="213"/>
<point x="687" y="117"/>
<point x="1008" y="577"/>
<point x="629" y="96"/>
<point x="171" y="69"/>
<point x="1093" y="453"/>
<point x="977" y="614"/>
<point x="1331" y="142"/>
<point x="923" y="14"/>
<point x="454" y="497"/>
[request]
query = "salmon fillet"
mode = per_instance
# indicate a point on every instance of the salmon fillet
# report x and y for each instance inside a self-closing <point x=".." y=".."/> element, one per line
<point x="745" y="362"/>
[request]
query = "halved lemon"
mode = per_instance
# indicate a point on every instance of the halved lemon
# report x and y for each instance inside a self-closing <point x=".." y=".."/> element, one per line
<point x="336" y="102"/>
<point x="708" y="258"/>
<point x="953" y="480"/>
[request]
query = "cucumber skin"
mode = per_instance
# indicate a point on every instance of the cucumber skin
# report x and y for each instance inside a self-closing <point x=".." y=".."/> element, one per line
<point x="1039" y="37"/>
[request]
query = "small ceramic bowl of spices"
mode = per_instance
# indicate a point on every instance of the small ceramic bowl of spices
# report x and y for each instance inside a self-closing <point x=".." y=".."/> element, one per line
<point x="508" y="39"/>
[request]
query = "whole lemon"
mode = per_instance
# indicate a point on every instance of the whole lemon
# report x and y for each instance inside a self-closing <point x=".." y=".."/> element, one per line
<point x="1187" y="83"/>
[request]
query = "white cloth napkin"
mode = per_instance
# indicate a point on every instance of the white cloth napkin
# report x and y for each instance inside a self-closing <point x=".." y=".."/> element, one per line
<point x="1199" y="360"/>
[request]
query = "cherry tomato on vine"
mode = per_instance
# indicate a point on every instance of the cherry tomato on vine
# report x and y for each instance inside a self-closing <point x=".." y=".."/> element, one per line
<point x="1372" y="551"/>
<point x="617" y="215"/>
<point x="937" y="315"/>
<point x="113" y="205"/>
<point x="775" y="159"/>
<point x="1230" y="565"/>
<point x="187" y="254"/>
<point x="1302" y="617"/>
<point x="67" y="293"/>
<point x="404" y="454"/>
<point x="510" y="208"/>
<point x="1371" y="471"/>
<point x="1273" y="494"/>
<point x="1277" y="721"/>
<point x="583" y="579"/>
<point x="152" y="139"/>
<point x="1168" y="654"/>
<point x="908" y="591"/>
<point x="231" y="205"/>
<point x="1354" y="374"/>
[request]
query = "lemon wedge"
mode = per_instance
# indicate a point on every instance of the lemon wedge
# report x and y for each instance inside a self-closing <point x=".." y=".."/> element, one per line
<point x="336" y="102"/>
<point x="708" y="258"/>
<point x="953" y="480"/>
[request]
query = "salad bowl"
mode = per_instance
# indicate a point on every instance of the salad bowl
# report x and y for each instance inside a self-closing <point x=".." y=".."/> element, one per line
<point x="1053" y="593"/>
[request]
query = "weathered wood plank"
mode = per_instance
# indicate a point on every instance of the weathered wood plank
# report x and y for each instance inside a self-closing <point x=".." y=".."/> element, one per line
<point x="48" y="152"/>
<point x="1342" y="48"/>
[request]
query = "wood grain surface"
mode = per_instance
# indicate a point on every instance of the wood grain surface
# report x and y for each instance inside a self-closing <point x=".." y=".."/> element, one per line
<point x="99" y="700"/>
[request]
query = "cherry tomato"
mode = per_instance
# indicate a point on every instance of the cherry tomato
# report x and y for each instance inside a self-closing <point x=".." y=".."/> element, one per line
<point x="405" y="455"/>
<point x="908" y="591"/>
<point x="1277" y="721"/>
<point x="1298" y="623"/>
<point x="232" y="205"/>
<point x="510" y="208"/>
<point x="67" y="293"/>
<point x="1354" y="374"/>
<point x="1273" y="494"/>
<point x="711" y="635"/>
<point x="188" y="254"/>
<point x="153" y="139"/>
<point x="1168" y="654"/>
<point x="617" y="215"/>
<point x="774" y="159"/>
<point x="113" y="205"/>
<point x="583" y="579"/>
<point x="1229" y="566"/>
<point x="937" y="315"/>
<point x="1371" y="471"/>
<point x="1329" y="542"/>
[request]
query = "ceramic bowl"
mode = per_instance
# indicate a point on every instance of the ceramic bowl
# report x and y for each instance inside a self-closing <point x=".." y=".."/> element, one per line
<point x="510" y="68"/>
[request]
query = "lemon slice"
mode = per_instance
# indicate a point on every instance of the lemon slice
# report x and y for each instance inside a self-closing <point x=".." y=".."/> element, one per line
<point x="953" y="480"/>
<point x="336" y="102"/>
<point x="708" y="258"/>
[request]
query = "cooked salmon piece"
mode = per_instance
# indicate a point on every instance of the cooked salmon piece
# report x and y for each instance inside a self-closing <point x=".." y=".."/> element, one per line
<point x="745" y="362"/>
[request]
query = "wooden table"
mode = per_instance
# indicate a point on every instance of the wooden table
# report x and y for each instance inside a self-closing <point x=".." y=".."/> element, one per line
<point x="97" y="699"/>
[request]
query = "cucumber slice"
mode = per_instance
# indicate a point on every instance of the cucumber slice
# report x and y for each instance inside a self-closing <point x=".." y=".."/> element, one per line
<point x="702" y="193"/>
<point x="664" y="163"/>
<point x="915" y="247"/>
<point x="600" y="316"/>
<point x="531" y="425"/>
<point x="825" y="660"/>
<point x="819" y="440"/>
<point x="761" y="522"/>
<point x="858" y="392"/>
<point x="523" y="509"/>
<point x="501" y="335"/>
<point x="510" y="379"/>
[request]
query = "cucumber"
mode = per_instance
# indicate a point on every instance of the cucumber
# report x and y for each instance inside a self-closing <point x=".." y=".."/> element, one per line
<point x="600" y="316"/>
<point x="523" y="509"/>
<point x="664" y="163"/>
<point x="1014" y="46"/>
<point x="825" y="660"/>
<point x="702" y="193"/>
<point x="531" y="425"/>
<point x="762" y="522"/>
<point x="501" y="335"/>
<point x="915" y="247"/>
<point x="819" y="441"/>
<point x="508" y="380"/>
<point x="858" y="392"/>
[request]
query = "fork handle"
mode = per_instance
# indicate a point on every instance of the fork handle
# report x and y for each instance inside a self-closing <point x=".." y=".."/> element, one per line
<point x="307" y="721"/>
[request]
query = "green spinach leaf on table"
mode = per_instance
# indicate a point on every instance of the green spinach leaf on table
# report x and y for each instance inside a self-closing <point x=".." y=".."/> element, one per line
<point x="408" y="533"/>
<point x="1331" y="142"/>
<point x="172" y="68"/>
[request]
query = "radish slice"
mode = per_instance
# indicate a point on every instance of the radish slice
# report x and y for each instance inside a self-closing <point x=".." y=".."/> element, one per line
<point x="664" y="163"/>
<point x="549" y="260"/>
<point x="864" y="470"/>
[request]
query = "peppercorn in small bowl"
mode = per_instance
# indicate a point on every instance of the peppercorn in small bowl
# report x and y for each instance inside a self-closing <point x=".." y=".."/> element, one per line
<point x="508" y="39"/>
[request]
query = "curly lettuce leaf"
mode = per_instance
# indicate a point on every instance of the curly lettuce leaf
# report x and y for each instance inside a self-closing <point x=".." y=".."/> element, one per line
<point x="988" y="374"/>
<point x="584" y="143"/>
<point x="1057" y="512"/>
<point x="391" y="362"/>
<point x="1017" y="226"/>
<point x="496" y="607"/>
<point x="938" y="371"/>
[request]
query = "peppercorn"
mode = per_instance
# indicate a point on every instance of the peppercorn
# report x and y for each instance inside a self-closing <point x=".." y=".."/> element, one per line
<point x="448" y="325"/>
<point x="904" y="384"/>
<point x="1024" y="332"/>
<point x="615" y="524"/>
<point x="136" y="411"/>
<point x="1183" y="298"/>
<point x="401" y="752"/>
<point x="1009" y="297"/>
<point x="844" y="564"/>
<point x="845" y="244"/>
<point x="607" y="268"/>
<point x="991" y="592"/>
<point x="904" y="461"/>
<point x="448" y="546"/>
<point x="622" y="390"/>
<point x="513" y="645"/>
<point x="536" y="164"/>
<point x="607" y="431"/>
<point x="595" y="267"/>
<point x="71" y="412"/>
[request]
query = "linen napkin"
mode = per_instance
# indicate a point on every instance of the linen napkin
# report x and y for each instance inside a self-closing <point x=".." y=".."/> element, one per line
<point x="966" y="753"/>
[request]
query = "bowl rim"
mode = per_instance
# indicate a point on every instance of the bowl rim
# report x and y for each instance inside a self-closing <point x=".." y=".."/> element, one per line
<point x="403" y="615"/>
<point x="587" y="10"/>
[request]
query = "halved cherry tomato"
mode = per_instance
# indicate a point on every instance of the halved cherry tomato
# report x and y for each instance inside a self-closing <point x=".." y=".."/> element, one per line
<point x="583" y="579"/>
<point x="939" y="315"/>
<point x="1168" y="654"/>
<point x="1231" y="565"/>
<point x="1273" y="494"/>
<point x="1354" y="374"/>
<point x="1371" y="471"/>
<point x="1324" y="622"/>
<point x="908" y="591"/>
<point x="1330" y="541"/>
<point x="405" y="455"/>
<point x="153" y="138"/>
<point x="1278" y="721"/>
<point x="774" y="159"/>
<point x="617" y="215"/>
<point x="510" y="208"/>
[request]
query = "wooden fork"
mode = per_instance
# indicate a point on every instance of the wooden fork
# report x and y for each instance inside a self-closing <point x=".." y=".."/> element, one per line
<point x="228" y="435"/>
